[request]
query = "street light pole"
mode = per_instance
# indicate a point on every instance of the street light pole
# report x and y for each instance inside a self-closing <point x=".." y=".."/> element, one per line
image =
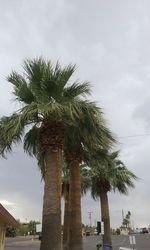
<point x="90" y="218"/>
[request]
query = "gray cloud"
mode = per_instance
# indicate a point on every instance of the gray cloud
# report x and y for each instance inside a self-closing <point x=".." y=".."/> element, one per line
<point x="109" y="41"/>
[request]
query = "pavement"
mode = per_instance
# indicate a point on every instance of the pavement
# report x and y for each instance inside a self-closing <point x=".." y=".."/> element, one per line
<point x="89" y="243"/>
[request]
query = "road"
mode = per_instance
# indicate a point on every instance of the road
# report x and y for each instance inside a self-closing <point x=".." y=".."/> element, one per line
<point x="89" y="243"/>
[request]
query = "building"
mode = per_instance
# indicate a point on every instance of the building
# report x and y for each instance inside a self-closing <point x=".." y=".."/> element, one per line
<point x="6" y="219"/>
<point x="124" y="230"/>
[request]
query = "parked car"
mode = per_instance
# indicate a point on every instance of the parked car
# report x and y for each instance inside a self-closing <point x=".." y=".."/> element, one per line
<point x="144" y="230"/>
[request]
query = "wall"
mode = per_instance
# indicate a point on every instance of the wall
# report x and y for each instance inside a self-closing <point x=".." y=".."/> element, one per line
<point x="2" y="236"/>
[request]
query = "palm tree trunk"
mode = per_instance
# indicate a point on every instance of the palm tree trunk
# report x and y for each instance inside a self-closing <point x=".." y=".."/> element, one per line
<point x="105" y="217"/>
<point x="51" y="224"/>
<point x="66" y="219"/>
<point x="75" y="224"/>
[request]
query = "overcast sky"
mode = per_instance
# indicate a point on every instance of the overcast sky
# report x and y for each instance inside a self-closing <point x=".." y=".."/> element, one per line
<point x="110" y="43"/>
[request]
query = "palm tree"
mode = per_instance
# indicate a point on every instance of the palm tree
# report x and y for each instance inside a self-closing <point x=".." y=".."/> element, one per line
<point x="48" y="106"/>
<point x="112" y="174"/>
<point x="91" y="130"/>
<point x="65" y="194"/>
<point x="126" y="220"/>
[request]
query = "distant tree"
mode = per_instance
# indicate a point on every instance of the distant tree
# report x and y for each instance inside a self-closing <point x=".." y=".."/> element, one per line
<point x="109" y="175"/>
<point x="26" y="228"/>
<point x="32" y="226"/>
<point x="10" y="231"/>
<point x="126" y="220"/>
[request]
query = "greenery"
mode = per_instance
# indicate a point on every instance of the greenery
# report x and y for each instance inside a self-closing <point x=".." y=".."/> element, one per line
<point x="107" y="173"/>
<point x="55" y="118"/>
<point x="87" y="228"/>
<point x="53" y="114"/>
<point x="126" y="221"/>
<point x="28" y="228"/>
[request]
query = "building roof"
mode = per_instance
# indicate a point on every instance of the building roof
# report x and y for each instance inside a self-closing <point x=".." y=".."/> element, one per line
<point x="7" y="218"/>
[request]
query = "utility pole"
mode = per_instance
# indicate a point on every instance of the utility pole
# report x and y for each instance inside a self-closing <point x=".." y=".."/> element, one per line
<point x="90" y="218"/>
<point x="122" y="214"/>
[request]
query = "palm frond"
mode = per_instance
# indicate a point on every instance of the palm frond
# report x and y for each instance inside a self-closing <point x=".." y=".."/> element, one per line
<point x="62" y="75"/>
<point x="11" y="131"/>
<point x="123" y="179"/>
<point x="77" y="89"/>
<point x="47" y="81"/>
<point x="21" y="88"/>
<point x="50" y="109"/>
<point x="86" y="127"/>
<point x="109" y="174"/>
<point x="31" y="141"/>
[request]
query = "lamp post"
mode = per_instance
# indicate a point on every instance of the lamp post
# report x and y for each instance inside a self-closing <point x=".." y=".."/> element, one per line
<point x="90" y="218"/>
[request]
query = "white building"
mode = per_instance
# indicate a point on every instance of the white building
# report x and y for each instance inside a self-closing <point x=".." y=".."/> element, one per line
<point x="124" y="230"/>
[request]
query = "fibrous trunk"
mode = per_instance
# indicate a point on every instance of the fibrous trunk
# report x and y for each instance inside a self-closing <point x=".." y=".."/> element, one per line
<point x="66" y="219"/>
<point x="51" y="224"/>
<point x="75" y="225"/>
<point x="105" y="217"/>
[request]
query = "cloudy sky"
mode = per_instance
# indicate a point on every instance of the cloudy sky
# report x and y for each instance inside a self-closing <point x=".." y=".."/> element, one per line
<point x="110" y="43"/>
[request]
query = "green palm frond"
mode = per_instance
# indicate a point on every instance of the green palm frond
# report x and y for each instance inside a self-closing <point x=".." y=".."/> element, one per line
<point x="95" y="125"/>
<point x="114" y="155"/>
<point x="123" y="179"/>
<point x="47" y="81"/>
<point x="87" y="129"/>
<point x="34" y="69"/>
<point x="110" y="174"/>
<point x="22" y="91"/>
<point x="30" y="113"/>
<point x="16" y="79"/>
<point x="11" y="131"/>
<point x="31" y="141"/>
<point x="62" y="75"/>
<point x="35" y="73"/>
<point x="51" y="109"/>
<point x="77" y="89"/>
<point x="12" y="128"/>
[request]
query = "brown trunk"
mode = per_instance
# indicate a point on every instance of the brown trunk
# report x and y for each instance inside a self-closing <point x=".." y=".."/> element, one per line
<point x="51" y="224"/>
<point x="105" y="217"/>
<point x="75" y="225"/>
<point x="66" y="219"/>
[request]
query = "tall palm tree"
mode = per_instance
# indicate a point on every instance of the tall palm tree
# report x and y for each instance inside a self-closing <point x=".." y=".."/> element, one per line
<point x="112" y="174"/>
<point x="48" y="105"/>
<point x="65" y="194"/>
<point x="91" y="130"/>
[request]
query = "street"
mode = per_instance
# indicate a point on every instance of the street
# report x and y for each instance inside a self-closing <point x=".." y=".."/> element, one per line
<point x="89" y="242"/>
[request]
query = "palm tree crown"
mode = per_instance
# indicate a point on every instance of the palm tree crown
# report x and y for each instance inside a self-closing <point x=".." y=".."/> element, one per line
<point x="108" y="173"/>
<point x="112" y="174"/>
<point x="46" y="99"/>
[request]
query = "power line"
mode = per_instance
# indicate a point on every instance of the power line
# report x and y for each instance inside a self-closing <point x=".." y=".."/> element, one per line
<point x="130" y="136"/>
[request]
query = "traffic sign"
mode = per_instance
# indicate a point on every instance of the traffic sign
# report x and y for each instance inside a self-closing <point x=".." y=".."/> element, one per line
<point x="102" y="227"/>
